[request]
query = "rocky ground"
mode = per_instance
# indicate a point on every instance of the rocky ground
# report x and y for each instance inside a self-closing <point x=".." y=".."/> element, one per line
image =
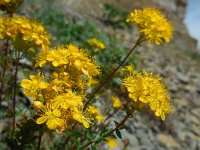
<point x="182" y="128"/>
<point x="180" y="71"/>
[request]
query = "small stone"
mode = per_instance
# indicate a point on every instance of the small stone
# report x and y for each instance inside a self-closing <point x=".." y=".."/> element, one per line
<point x="196" y="101"/>
<point x="196" y="112"/>
<point x="181" y="102"/>
<point x="172" y="87"/>
<point x="194" y="119"/>
<point x="190" y="88"/>
<point x="132" y="139"/>
<point x="182" y="135"/>
<point x="168" y="140"/>
<point x="195" y="129"/>
<point x="198" y="89"/>
<point x="183" y="78"/>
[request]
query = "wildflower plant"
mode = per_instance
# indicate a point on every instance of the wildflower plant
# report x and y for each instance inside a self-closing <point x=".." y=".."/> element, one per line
<point x="60" y="97"/>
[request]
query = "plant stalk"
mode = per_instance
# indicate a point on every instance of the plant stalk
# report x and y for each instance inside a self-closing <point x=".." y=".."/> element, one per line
<point x="110" y="132"/>
<point x="39" y="140"/>
<point x="7" y="49"/>
<point x="15" y="89"/>
<point x="108" y="78"/>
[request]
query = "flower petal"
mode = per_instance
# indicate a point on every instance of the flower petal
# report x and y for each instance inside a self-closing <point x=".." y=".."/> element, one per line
<point x="25" y="83"/>
<point x="51" y="124"/>
<point x="41" y="120"/>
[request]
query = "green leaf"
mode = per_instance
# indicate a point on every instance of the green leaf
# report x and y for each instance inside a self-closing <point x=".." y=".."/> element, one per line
<point x="122" y="127"/>
<point x="88" y="134"/>
<point x="93" y="146"/>
<point x="116" y="123"/>
<point x="118" y="134"/>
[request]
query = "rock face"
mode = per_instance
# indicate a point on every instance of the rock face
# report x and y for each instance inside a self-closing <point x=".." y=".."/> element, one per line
<point x="181" y="73"/>
<point x="174" y="9"/>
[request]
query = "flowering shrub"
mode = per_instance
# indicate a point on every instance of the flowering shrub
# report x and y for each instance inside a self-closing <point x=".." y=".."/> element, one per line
<point x="60" y="94"/>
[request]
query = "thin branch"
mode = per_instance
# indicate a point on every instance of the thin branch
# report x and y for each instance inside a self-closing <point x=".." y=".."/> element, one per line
<point x="39" y="140"/>
<point x="110" y="132"/>
<point x="15" y="88"/>
<point x="108" y="78"/>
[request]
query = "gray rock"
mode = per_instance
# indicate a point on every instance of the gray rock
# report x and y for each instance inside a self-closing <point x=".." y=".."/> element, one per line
<point x="190" y="88"/>
<point x="182" y="77"/>
<point x="196" y="112"/>
<point x="168" y="140"/>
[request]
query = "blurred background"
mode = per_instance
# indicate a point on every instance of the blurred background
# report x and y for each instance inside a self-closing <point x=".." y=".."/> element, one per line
<point x="191" y="19"/>
<point x="178" y="61"/>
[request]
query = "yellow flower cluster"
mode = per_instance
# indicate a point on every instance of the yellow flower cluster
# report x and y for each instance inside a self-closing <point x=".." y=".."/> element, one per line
<point x="111" y="142"/>
<point x="95" y="113"/>
<point x="116" y="102"/>
<point x="149" y="89"/>
<point x="59" y="99"/>
<point x="96" y="43"/>
<point x="24" y="31"/>
<point x="152" y="24"/>
<point x="70" y="58"/>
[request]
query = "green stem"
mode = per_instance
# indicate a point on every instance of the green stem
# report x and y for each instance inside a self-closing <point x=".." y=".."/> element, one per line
<point x="108" y="117"/>
<point x="100" y="125"/>
<point x="108" y="78"/>
<point x="39" y="140"/>
<point x="4" y="70"/>
<point x="68" y="138"/>
<point x="7" y="49"/>
<point x="110" y="132"/>
<point x="15" y="89"/>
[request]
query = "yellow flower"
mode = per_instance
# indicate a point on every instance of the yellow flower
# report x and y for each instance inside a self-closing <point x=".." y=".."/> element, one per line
<point x="80" y="60"/>
<point x="95" y="113"/>
<point x="149" y="89"/>
<point x="92" y="82"/>
<point x="70" y="59"/>
<point x="58" y="57"/>
<point x="41" y="58"/>
<point x="161" y="106"/>
<point x="33" y="86"/>
<point x="80" y="118"/>
<point x="152" y="24"/>
<point x="29" y="32"/>
<point x="116" y="102"/>
<point x="96" y="43"/>
<point x="52" y="117"/>
<point x="67" y="100"/>
<point x="111" y="142"/>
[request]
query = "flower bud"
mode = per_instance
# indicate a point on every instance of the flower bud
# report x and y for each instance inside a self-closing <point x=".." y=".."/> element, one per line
<point x="31" y="50"/>
<point x="37" y="105"/>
